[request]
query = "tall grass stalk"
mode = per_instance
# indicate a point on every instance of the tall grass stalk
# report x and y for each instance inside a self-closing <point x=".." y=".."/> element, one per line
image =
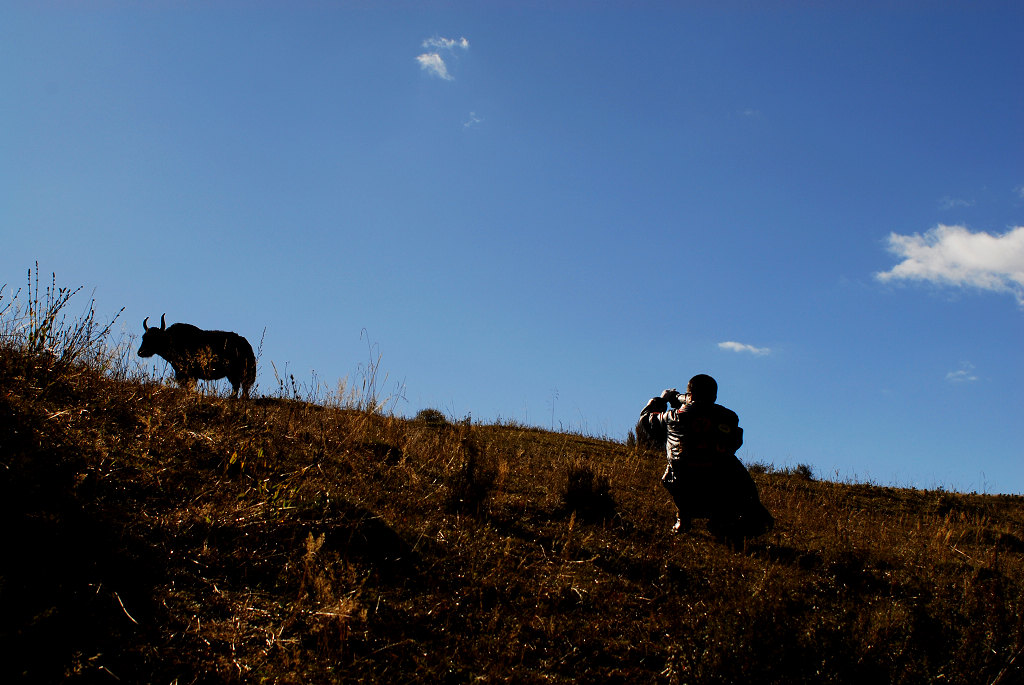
<point x="41" y="325"/>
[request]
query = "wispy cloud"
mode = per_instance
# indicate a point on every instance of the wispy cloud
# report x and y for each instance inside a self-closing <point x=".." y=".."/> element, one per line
<point x="965" y="374"/>
<point x="432" y="62"/>
<point x="446" y="43"/>
<point x="733" y="346"/>
<point x="473" y="120"/>
<point x="947" y="203"/>
<point x="953" y="255"/>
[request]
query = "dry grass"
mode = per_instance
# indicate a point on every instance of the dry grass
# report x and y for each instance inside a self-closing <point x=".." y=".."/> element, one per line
<point x="158" y="535"/>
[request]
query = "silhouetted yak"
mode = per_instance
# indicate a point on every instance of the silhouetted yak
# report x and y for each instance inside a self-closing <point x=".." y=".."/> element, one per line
<point x="197" y="354"/>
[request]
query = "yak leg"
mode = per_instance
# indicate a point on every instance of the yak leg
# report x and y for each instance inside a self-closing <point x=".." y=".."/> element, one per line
<point x="236" y="383"/>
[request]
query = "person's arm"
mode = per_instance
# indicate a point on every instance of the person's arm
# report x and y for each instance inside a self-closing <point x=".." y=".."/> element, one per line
<point x="655" y="405"/>
<point x="650" y="429"/>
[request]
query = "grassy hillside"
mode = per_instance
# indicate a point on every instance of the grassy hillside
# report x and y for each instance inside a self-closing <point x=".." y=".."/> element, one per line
<point x="157" y="535"/>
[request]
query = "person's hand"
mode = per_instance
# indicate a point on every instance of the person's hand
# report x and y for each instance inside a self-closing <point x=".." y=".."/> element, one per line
<point x="673" y="397"/>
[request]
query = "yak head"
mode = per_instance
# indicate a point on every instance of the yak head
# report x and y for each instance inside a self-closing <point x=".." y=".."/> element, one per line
<point x="154" y="340"/>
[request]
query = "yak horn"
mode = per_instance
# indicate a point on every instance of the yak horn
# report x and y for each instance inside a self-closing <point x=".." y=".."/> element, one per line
<point x="144" y="322"/>
<point x="163" y="324"/>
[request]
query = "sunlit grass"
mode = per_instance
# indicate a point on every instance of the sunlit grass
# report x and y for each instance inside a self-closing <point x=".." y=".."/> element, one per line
<point x="159" y="535"/>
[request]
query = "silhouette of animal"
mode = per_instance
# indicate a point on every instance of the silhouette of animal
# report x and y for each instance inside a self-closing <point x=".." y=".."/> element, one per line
<point x="196" y="354"/>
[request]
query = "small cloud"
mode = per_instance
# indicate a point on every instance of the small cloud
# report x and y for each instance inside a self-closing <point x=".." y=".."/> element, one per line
<point x="965" y="374"/>
<point x="948" y="203"/>
<point x="751" y="113"/>
<point x="1019" y="191"/>
<point x="432" y="63"/>
<point x="953" y="255"/>
<point x="473" y="120"/>
<point x="742" y="347"/>
<point x="446" y="43"/>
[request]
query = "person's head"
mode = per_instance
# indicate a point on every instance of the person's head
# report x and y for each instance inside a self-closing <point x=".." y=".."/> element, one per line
<point x="702" y="388"/>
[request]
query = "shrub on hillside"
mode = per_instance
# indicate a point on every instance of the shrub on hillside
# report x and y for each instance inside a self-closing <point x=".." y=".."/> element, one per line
<point x="804" y="471"/>
<point x="587" y="492"/>
<point x="469" y="481"/>
<point x="433" y="418"/>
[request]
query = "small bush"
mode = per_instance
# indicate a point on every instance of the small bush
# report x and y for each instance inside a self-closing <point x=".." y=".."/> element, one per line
<point x="432" y="417"/>
<point x="804" y="471"/>
<point x="470" y="481"/>
<point x="759" y="468"/>
<point x="587" y="492"/>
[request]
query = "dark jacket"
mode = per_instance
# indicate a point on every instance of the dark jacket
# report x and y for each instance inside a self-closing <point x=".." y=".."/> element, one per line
<point x="700" y="433"/>
<point x="704" y="476"/>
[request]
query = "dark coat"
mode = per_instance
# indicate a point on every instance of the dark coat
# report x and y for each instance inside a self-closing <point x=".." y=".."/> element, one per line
<point x="197" y="354"/>
<point x="703" y="475"/>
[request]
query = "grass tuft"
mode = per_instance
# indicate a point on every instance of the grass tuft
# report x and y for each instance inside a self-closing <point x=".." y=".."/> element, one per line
<point x="588" y="491"/>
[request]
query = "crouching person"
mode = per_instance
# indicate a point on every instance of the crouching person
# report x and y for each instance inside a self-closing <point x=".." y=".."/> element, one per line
<point x="704" y="477"/>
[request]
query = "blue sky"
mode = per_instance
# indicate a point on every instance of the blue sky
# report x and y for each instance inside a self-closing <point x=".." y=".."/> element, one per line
<point x="549" y="214"/>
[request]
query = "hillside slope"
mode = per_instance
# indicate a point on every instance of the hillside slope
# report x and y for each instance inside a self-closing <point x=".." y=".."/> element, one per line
<point x="158" y="535"/>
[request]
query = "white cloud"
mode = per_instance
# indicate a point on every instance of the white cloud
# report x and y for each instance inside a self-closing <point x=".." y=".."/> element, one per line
<point x="947" y="203"/>
<point x="965" y="374"/>
<point x="952" y="255"/>
<point x="741" y="347"/>
<point x="432" y="63"/>
<point x="473" y="120"/>
<point x="446" y="43"/>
